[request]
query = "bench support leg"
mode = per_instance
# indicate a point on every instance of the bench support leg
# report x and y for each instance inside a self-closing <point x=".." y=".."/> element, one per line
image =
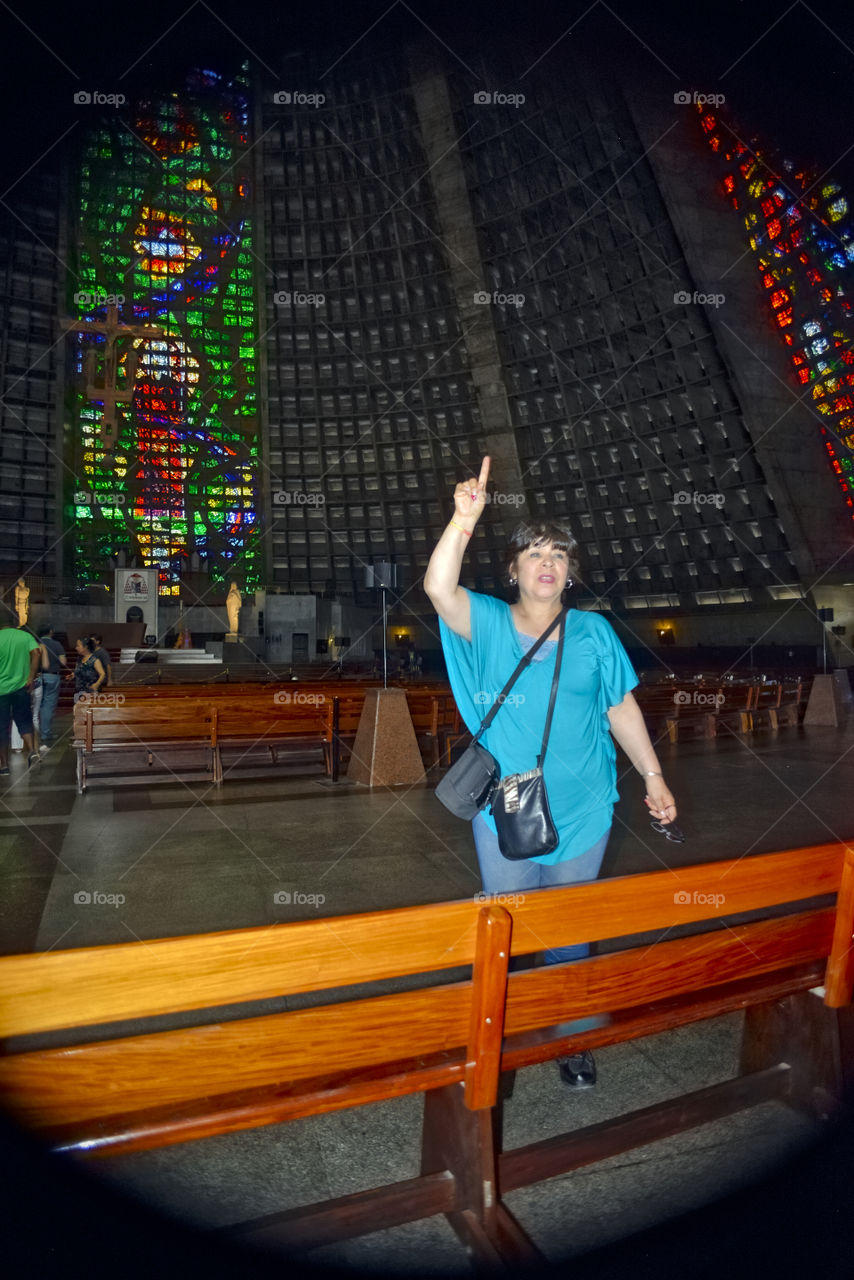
<point x="817" y="1042"/>
<point x="467" y="1144"/>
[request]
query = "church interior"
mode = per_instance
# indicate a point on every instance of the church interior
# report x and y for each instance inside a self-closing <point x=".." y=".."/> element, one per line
<point x="266" y="300"/>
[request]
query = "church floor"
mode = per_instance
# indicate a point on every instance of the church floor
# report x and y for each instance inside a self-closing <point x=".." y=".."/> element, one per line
<point x="138" y="861"/>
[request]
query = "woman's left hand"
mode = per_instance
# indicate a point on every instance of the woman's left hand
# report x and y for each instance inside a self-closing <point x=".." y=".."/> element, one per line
<point x="659" y="800"/>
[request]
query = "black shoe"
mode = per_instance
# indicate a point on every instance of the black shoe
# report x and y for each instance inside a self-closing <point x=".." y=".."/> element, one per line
<point x="578" y="1071"/>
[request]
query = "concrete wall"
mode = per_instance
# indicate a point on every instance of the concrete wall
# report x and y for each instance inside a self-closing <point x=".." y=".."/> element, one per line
<point x="284" y="617"/>
<point x="359" y="626"/>
<point x="786" y="432"/>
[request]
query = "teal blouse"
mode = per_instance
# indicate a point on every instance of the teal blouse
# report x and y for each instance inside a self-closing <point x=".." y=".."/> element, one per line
<point x="580" y="766"/>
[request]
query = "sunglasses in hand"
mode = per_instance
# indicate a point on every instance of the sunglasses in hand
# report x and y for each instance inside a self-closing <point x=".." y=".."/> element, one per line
<point x="669" y="830"/>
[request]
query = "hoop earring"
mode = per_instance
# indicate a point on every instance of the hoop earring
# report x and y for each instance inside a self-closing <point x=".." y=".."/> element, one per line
<point x="512" y="582"/>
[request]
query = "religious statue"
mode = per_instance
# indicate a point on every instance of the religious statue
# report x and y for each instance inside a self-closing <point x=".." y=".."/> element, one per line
<point x="22" y="602"/>
<point x="233" y="603"/>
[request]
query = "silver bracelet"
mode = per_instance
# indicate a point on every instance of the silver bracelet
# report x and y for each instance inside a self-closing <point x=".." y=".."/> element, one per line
<point x="652" y="774"/>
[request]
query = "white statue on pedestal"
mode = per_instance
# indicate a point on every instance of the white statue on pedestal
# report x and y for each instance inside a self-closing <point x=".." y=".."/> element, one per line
<point x="233" y="604"/>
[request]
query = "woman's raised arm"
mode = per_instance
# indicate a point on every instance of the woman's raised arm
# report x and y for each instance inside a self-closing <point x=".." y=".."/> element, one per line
<point x="442" y="579"/>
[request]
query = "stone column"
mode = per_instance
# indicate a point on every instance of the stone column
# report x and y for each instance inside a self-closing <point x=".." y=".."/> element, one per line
<point x="462" y="253"/>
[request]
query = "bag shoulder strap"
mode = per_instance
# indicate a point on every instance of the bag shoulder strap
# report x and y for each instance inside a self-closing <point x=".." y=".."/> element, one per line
<point x="520" y="666"/>
<point x="553" y="696"/>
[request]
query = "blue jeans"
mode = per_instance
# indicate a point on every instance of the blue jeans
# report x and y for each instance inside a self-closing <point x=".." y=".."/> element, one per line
<point x="50" y="697"/>
<point x="500" y="875"/>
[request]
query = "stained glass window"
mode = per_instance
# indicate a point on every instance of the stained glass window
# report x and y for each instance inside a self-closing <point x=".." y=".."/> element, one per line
<point x="803" y="239"/>
<point x="165" y="245"/>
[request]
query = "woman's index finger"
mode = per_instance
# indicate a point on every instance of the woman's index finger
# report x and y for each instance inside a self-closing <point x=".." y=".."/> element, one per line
<point x="484" y="471"/>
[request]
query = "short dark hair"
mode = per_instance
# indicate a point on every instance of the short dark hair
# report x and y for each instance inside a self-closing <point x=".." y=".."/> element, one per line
<point x="98" y="639"/>
<point x="47" y="629"/>
<point x="533" y="532"/>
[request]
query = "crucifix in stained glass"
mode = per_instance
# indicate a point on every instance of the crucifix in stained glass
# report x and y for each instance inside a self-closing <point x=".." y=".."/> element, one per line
<point x="109" y="393"/>
<point x="166" y="210"/>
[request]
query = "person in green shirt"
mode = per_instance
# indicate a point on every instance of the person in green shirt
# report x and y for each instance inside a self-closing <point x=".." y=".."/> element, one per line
<point x="20" y="661"/>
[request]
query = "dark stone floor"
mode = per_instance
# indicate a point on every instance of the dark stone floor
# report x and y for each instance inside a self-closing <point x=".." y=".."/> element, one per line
<point x="141" y="861"/>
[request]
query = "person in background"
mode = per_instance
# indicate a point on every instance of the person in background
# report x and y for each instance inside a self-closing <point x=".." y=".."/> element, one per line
<point x="20" y="660"/>
<point x="51" y="674"/>
<point x="89" y="674"/>
<point x="103" y="657"/>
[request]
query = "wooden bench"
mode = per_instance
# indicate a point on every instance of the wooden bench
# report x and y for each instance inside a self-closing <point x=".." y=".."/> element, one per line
<point x="450" y="1039"/>
<point x="143" y="736"/>
<point x="433" y="711"/>
<point x="735" y="707"/>
<point x="434" y="716"/>
<point x="266" y="725"/>
<point x="670" y="707"/>
<point x="343" y="713"/>
<point x="778" y="704"/>
<point x="252" y="721"/>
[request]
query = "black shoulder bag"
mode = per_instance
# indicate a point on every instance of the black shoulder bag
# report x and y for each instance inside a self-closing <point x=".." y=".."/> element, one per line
<point x="469" y="784"/>
<point x="520" y="805"/>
